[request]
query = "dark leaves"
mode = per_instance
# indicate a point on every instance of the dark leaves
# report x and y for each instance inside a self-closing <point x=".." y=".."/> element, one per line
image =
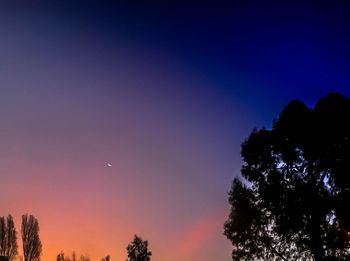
<point x="298" y="186"/>
<point x="138" y="250"/>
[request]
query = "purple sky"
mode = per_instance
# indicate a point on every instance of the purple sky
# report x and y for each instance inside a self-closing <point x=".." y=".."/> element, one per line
<point x="166" y="95"/>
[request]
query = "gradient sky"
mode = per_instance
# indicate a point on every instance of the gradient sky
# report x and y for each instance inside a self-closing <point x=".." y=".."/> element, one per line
<point x="166" y="93"/>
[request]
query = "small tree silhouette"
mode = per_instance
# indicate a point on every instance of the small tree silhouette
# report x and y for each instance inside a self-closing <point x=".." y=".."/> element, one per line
<point x="106" y="258"/>
<point x="62" y="257"/>
<point x="138" y="250"/>
<point x="30" y="236"/>
<point x="8" y="238"/>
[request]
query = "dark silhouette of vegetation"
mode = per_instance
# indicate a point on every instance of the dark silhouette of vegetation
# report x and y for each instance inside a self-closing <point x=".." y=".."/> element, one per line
<point x="32" y="247"/>
<point x="8" y="238"/>
<point x="292" y="201"/>
<point x="62" y="257"/>
<point x="138" y="250"/>
<point x="106" y="258"/>
<point x="30" y="236"/>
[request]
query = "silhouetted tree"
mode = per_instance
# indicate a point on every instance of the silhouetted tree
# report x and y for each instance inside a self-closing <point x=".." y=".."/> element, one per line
<point x="106" y="258"/>
<point x="30" y="236"/>
<point x="8" y="238"/>
<point x="62" y="257"/>
<point x="292" y="202"/>
<point x="138" y="250"/>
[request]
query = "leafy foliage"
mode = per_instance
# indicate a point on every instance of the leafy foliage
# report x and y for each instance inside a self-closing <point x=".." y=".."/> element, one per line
<point x="138" y="250"/>
<point x="291" y="202"/>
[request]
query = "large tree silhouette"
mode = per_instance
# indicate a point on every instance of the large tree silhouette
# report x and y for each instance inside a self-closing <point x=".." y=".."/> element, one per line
<point x="30" y="236"/>
<point x="138" y="250"/>
<point x="292" y="201"/>
<point x="8" y="238"/>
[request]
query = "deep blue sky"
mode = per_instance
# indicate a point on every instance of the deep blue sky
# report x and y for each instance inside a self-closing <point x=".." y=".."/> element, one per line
<point x="288" y="49"/>
<point x="278" y="50"/>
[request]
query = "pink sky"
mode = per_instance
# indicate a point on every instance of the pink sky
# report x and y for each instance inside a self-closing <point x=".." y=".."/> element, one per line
<point x="73" y="100"/>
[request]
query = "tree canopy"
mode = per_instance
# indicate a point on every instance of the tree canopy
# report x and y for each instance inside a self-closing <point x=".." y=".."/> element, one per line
<point x="8" y="238"/>
<point x="138" y="250"/>
<point x="291" y="201"/>
<point x="32" y="247"/>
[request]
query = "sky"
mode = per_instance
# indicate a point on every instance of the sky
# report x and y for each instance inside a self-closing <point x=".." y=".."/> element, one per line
<point x="127" y="118"/>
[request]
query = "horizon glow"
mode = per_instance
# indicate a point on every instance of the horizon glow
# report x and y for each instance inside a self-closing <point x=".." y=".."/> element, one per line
<point x="165" y="101"/>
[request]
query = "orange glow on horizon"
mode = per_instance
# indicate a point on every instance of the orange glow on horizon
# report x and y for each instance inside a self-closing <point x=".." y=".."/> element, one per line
<point x="87" y="238"/>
